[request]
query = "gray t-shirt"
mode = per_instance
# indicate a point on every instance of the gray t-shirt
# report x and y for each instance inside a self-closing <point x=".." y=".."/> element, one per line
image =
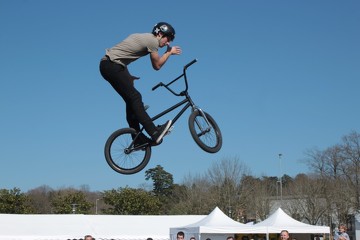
<point x="133" y="47"/>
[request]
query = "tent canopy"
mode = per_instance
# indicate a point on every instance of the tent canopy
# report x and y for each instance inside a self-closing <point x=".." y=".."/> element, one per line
<point x="215" y="223"/>
<point x="279" y="221"/>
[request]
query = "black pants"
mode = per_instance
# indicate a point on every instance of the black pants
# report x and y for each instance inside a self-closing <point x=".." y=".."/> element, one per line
<point x="122" y="81"/>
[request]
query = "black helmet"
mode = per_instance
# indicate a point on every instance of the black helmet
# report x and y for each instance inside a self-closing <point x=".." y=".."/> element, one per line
<point x="164" y="28"/>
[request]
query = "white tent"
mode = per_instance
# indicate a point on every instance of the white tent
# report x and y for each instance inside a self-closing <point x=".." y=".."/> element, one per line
<point x="76" y="226"/>
<point x="218" y="226"/>
<point x="279" y="221"/>
<point x="215" y="226"/>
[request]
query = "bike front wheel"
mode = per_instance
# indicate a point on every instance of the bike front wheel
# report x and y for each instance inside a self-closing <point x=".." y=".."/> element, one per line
<point x="122" y="157"/>
<point x="205" y="131"/>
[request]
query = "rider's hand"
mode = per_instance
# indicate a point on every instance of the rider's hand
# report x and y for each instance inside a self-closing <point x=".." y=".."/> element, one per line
<point x="176" y="50"/>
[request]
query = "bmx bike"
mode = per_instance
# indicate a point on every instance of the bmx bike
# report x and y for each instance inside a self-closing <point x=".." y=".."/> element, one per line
<point x="126" y="157"/>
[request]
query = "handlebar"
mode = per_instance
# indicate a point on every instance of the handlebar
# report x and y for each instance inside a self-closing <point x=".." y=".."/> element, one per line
<point x="190" y="63"/>
<point x="157" y="85"/>
<point x="161" y="84"/>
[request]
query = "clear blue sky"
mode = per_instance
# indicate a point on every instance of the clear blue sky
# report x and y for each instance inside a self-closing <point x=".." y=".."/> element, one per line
<point x="277" y="76"/>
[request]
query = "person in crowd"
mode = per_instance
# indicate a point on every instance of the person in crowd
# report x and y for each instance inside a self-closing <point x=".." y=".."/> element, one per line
<point x="230" y="238"/>
<point x="180" y="236"/>
<point x="192" y="238"/>
<point x="341" y="233"/>
<point x="284" y="235"/>
<point x="88" y="237"/>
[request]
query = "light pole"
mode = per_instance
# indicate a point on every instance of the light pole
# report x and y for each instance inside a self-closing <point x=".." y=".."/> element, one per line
<point x="96" y="205"/>
<point x="280" y="179"/>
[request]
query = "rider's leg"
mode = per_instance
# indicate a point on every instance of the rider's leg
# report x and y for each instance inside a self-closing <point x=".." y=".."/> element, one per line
<point x="131" y="118"/>
<point x="136" y="107"/>
<point x="121" y="80"/>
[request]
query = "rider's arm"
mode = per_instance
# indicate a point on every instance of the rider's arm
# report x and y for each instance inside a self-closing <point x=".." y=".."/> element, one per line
<point x="158" y="61"/>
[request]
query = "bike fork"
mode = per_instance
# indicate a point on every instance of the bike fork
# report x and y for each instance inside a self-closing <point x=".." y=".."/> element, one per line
<point x="203" y="131"/>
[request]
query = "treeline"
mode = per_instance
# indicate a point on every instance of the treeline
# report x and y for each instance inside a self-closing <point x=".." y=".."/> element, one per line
<point x="325" y="195"/>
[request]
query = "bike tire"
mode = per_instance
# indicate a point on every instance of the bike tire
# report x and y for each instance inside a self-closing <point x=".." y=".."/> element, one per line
<point x="210" y="141"/>
<point x="121" y="161"/>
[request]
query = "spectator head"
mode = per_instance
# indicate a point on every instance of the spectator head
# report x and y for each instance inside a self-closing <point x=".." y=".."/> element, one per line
<point x="180" y="235"/>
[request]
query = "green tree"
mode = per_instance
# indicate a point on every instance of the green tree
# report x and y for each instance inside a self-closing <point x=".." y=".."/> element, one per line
<point x="14" y="202"/>
<point x="129" y="201"/>
<point x="70" y="201"/>
<point x="162" y="181"/>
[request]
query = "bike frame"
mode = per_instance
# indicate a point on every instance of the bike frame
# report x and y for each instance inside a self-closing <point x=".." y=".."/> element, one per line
<point x="187" y="102"/>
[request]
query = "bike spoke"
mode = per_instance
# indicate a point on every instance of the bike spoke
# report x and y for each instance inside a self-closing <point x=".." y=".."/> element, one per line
<point x="120" y="156"/>
<point x="205" y="132"/>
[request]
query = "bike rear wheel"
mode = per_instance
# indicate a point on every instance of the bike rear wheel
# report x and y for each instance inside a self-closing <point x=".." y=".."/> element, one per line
<point x="121" y="157"/>
<point x="206" y="134"/>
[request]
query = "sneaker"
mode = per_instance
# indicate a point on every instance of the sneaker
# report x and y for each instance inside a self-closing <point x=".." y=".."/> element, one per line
<point x="161" y="131"/>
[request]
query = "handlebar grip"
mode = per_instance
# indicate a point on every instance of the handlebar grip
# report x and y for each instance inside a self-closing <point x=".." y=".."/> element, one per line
<point x="157" y="85"/>
<point x="190" y="63"/>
